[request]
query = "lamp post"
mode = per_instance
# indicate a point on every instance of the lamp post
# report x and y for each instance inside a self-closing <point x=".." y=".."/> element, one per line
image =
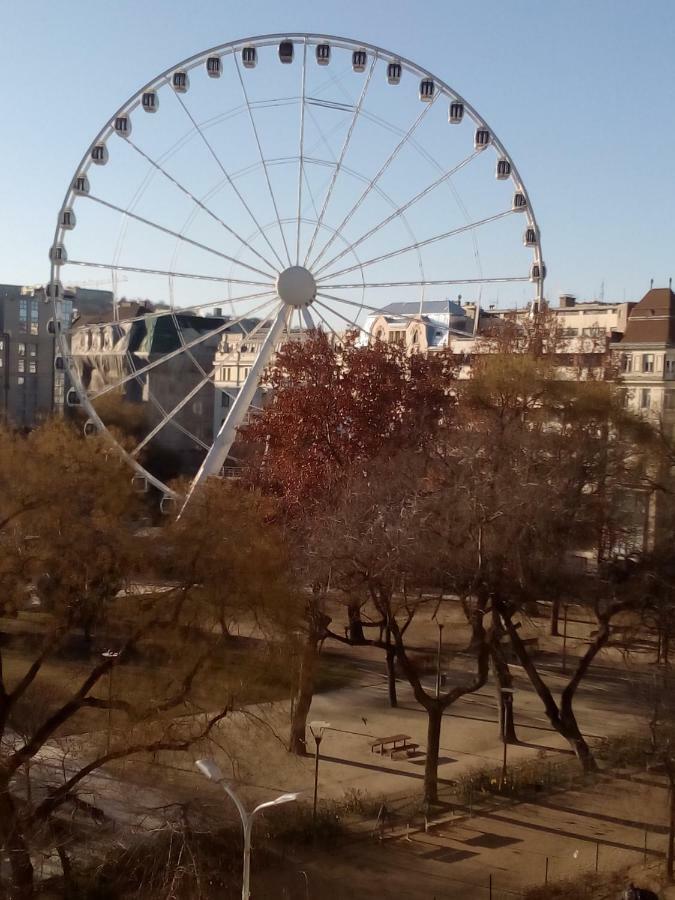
<point x="109" y="654"/>
<point x="507" y="700"/>
<point x="209" y="768"/>
<point x="317" y="729"/>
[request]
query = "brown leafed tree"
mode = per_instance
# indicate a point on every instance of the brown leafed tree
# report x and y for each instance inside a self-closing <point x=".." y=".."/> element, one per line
<point x="71" y="553"/>
<point x="332" y="409"/>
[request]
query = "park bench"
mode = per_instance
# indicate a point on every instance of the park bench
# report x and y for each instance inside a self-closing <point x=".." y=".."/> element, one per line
<point x="393" y="744"/>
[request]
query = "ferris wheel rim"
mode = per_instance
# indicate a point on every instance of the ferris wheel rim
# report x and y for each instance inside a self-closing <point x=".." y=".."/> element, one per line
<point x="231" y="48"/>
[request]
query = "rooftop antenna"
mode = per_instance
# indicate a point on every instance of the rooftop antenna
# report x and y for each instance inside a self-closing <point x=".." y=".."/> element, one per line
<point x="651" y="283"/>
<point x="602" y="291"/>
<point x="670" y="284"/>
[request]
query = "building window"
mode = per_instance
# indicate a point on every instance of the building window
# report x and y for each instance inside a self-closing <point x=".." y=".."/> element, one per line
<point x="645" y="398"/>
<point x="669" y="400"/>
<point x="34" y="317"/>
<point x="225" y="400"/>
<point x="593" y="331"/>
<point x="21" y="349"/>
<point x="570" y="332"/>
<point x="32" y="366"/>
<point x="20" y="380"/>
<point x="22" y="365"/>
<point x="32" y="350"/>
<point x="23" y="315"/>
<point x="396" y="337"/>
<point x="626" y="362"/>
<point x="647" y="362"/>
<point x="228" y="375"/>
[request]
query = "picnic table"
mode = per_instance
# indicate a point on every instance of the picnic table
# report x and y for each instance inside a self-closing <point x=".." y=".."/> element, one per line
<point x="393" y="743"/>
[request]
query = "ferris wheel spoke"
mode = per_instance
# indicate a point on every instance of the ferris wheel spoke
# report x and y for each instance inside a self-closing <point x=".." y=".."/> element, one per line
<point x="217" y="455"/>
<point x="173" y="353"/>
<point x="334" y="312"/>
<point x="229" y="178"/>
<point x="262" y="157"/>
<point x="177" y="425"/>
<point x="365" y="307"/>
<point x="176" y="234"/>
<point x="341" y="157"/>
<point x="169" y="418"/>
<point x="175" y="310"/>
<point x="199" y="203"/>
<point x="329" y="327"/>
<point x="383" y="168"/>
<point x="307" y="319"/>
<point x="400" y="210"/>
<point x="429" y="283"/>
<point x="301" y="163"/>
<point x="115" y="267"/>
<point x="424" y="243"/>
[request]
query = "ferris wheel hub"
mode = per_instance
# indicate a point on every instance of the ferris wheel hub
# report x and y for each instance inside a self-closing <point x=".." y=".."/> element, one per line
<point x="296" y="287"/>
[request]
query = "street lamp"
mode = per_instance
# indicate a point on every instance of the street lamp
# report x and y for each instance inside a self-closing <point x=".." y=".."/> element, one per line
<point x="209" y="768"/>
<point x="317" y="729"/>
<point x="507" y="700"/>
<point x="109" y="654"/>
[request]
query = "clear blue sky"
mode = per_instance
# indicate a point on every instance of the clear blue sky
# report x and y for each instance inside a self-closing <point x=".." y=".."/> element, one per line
<point x="582" y="92"/>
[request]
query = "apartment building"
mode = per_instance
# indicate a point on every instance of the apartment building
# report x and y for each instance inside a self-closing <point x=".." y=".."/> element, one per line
<point x="27" y="372"/>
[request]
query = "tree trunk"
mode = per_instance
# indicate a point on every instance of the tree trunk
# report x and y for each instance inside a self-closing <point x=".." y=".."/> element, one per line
<point x="554" y="631"/>
<point x="562" y="717"/>
<point x="14" y="845"/>
<point x="670" y="851"/>
<point x="569" y="729"/>
<point x="435" y="720"/>
<point x="308" y="665"/>
<point x="67" y="869"/>
<point x="356" y="635"/>
<point x="391" y="671"/>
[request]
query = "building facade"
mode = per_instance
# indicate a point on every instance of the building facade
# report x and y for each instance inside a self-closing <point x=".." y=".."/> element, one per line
<point x="27" y="372"/>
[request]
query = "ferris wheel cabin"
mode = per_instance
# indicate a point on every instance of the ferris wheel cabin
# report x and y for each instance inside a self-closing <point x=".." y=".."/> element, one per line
<point x="286" y="52"/>
<point x="456" y="113"/>
<point x="99" y="154"/>
<point x="214" y="67"/>
<point x="427" y="90"/>
<point x="180" y="82"/>
<point x="394" y="73"/>
<point x="323" y="54"/>
<point x="359" y="60"/>
<point x="249" y="57"/>
<point x="150" y="101"/>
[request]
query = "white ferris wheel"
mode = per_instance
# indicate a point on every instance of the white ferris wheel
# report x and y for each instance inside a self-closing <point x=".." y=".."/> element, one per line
<point x="262" y="187"/>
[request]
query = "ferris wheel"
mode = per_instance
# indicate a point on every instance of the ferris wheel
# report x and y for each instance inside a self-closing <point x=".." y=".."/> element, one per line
<point x="259" y="189"/>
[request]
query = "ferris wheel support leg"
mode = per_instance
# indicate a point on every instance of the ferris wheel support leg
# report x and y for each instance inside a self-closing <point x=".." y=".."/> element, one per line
<point x="215" y="458"/>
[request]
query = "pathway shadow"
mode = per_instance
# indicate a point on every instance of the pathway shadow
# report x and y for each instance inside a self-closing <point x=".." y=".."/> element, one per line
<point x="561" y="832"/>
<point x="385" y="769"/>
<point x="601" y="817"/>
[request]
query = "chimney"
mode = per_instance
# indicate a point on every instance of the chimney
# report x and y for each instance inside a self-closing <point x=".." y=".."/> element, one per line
<point x="217" y="310"/>
<point x="567" y="301"/>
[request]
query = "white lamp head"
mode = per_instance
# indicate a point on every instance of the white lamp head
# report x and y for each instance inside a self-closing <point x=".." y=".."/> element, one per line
<point x="209" y="768"/>
<point x="318" y="727"/>
<point x="285" y="798"/>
